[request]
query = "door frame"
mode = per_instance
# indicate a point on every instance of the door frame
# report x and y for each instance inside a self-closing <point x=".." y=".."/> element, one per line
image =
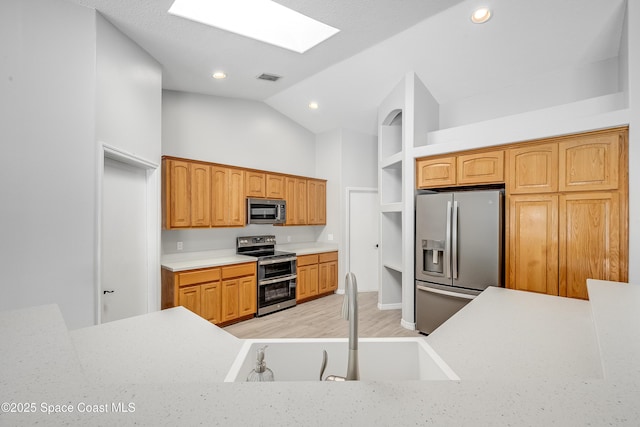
<point x="347" y="239"/>
<point x="153" y="224"/>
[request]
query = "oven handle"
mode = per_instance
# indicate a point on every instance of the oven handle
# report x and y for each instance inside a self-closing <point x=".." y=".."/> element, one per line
<point x="276" y="261"/>
<point x="277" y="279"/>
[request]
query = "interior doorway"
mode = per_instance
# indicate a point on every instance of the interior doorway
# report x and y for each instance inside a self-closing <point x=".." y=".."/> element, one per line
<point x="363" y="237"/>
<point x="127" y="284"/>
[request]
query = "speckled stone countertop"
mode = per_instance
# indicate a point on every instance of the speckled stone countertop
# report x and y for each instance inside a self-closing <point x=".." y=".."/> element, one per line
<point x="532" y="388"/>
<point x="207" y="259"/>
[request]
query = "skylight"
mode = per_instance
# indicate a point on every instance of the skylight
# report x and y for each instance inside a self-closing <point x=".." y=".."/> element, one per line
<point x="262" y="20"/>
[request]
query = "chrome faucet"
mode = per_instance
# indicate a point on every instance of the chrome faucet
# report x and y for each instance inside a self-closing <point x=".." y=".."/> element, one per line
<point x="350" y="313"/>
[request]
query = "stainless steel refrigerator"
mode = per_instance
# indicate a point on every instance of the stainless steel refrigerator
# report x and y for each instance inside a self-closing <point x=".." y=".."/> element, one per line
<point x="459" y="251"/>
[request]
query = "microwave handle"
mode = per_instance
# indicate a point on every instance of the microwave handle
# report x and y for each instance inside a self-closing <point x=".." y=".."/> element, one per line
<point x="278" y="211"/>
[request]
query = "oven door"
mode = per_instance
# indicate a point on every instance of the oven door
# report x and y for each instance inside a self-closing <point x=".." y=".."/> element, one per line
<point x="269" y="269"/>
<point x="276" y="294"/>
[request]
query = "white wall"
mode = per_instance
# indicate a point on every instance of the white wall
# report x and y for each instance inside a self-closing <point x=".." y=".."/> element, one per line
<point x="48" y="176"/>
<point x="241" y="133"/>
<point x="633" y="40"/>
<point x="129" y="94"/>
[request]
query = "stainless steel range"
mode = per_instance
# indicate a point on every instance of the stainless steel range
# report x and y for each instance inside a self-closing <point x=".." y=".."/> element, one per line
<point x="276" y="273"/>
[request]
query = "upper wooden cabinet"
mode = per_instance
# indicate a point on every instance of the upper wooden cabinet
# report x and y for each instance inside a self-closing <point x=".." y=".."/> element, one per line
<point x="590" y="162"/>
<point x="533" y="169"/>
<point x="228" y="208"/>
<point x="255" y="184"/>
<point x="201" y="194"/>
<point x="275" y="186"/>
<point x="440" y="172"/>
<point x="481" y="168"/>
<point x="316" y="202"/>
<point x="177" y="205"/>
<point x="466" y="169"/>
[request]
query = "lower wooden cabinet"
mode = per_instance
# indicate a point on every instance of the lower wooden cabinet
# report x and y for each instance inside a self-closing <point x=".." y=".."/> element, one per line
<point x="220" y="295"/>
<point x="317" y="275"/>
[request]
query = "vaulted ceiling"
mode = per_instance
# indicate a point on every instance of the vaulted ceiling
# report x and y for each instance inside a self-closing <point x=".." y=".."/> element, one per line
<point x="379" y="41"/>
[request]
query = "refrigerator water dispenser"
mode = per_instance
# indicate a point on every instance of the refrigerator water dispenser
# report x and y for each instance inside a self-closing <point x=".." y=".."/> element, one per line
<point x="433" y="256"/>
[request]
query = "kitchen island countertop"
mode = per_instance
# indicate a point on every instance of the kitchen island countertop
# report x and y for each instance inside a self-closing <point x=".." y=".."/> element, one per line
<point x="576" y="397"/>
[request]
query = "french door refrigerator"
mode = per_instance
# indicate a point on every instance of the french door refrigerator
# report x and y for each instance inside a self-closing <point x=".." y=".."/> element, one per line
<point x="459" y="251"/>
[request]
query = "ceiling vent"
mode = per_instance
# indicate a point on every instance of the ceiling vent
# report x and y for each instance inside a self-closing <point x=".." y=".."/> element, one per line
<point x="269" y="77"/>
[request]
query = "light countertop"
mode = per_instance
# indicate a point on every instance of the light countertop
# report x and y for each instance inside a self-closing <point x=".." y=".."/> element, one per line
<point x="207" y="259"/>
<point x="511" y="371"/>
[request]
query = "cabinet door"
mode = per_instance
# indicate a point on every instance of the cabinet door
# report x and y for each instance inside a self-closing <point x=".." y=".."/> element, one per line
<point x="301" y="201"/>
<point x="302" y="283"/>
<point x="533" y="169"/>
<point x="533" y="243"/>
<point x="211" y="300"/>
<point x="236" y="200"/>
<point x="189" y="298"/>
<point x="332" y="275"/>
<point x="316" y="202"/>
<point x="481" y="168"/>
<point x="590" y="162"/>
<point x="255" y="184"/>
<point x="230" y="299"/>
<point x="220" y="191"/>
<point x="177" y="190"/>
<point x="439" y="172"/>
<point x="589" y="241"/>
<point x="313" y="280"/>
<point x="275" y="186"/>
<point x="200" y="180"/>
<point x="290" y="197"/>
<point x="247" y="296"/>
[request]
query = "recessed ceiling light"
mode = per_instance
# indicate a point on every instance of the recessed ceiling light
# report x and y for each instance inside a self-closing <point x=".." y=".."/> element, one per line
<point x="263" y="20"/>
<point x="481" y="15"/>
<point x="313" y="105"/>
<point x="218" y="75"/>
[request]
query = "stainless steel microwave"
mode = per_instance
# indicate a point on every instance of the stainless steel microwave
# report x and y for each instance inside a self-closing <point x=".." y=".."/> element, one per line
<point x="266" y="211"/>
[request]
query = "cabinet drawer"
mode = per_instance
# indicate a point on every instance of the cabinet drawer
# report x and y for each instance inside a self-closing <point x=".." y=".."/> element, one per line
<point x="198" y="276"/>
<point x="327" y="257"/>
<point x="307" y="260"/>
<point x="239" y="270"/>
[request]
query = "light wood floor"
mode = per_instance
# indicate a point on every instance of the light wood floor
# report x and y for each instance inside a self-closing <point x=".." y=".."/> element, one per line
<point x="320" y="318"/>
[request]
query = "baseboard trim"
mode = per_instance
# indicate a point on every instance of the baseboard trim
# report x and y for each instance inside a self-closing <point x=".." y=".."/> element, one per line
<point x="407" y="325"/>
<point x="396" y="306"/>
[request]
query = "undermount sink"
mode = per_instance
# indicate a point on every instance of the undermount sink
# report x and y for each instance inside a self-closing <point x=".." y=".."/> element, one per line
<point x="381" y="359"/>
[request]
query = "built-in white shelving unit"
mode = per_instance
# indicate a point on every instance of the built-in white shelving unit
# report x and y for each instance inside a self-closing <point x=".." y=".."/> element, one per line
<point x="404" y="118"/>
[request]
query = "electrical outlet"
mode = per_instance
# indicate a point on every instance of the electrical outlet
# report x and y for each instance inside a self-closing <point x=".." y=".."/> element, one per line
<point x="329" y="237"/>
<point x="180" y="246"/>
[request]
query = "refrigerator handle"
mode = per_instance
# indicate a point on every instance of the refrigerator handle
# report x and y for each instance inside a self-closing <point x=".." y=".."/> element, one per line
<point x="447" y="244"/>
<point x="454" y="239"/>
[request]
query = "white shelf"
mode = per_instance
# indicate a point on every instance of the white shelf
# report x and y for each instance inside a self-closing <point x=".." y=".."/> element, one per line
<point x="394" y="161"/>
<point x="394" y="267"/>
<point x="391" y="181"/>
<point x="391" y="207"/>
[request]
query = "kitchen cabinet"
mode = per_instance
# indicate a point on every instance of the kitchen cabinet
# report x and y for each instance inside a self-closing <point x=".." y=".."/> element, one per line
<point x="221" y="295"/>
<point x="533" y="169"/>
<point x="275" y="186"/>
<point x="575" y="226"/>
<point x="439" y="172"/>
<point x="480" y="168"/>
<point x="200" y="194"/>
<point x="239" y="292"/>
<point x="316" y="202"/>
<point x="255" y="184"/>
<point x="317" y="275"/>
<point x="474" y="168"/>
<point x="296" y="197"/>
<point x="327" y="272"/>
<point x="589" y="241"/>
<point x="228" y="197"/>
<point x="590" y="162"/>
<point x="532" y="246"/>
<point x="196" y="290"/>
<point x="176" y="194"/>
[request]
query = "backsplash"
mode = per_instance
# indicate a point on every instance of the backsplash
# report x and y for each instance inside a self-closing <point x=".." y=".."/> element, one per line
<point x="207" y="239"/>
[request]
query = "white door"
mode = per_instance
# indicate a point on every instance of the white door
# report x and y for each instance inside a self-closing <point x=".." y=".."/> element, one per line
<point x="124" y="289"/>
<point x="363" y="238"/>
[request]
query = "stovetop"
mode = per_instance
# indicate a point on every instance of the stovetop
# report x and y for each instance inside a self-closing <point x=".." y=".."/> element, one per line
<point x="260" y="247"/>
